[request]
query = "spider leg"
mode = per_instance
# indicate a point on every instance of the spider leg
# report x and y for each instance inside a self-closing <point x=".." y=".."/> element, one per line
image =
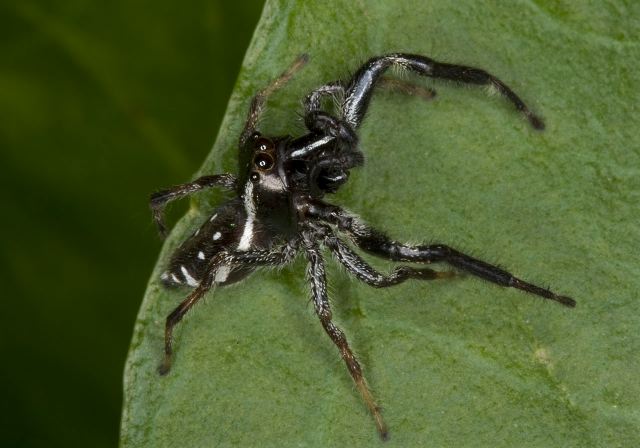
<point x="173" y="319"/>
<point x="364" y="272"/>
<point x="313" y="100"/>
<point x="160" y="199"/>
<point x="260" y="99"/>
<point x="360" y="88"/>
<point x="317" y="120"/>
<point x="406" y="87"/>
<point x="377" y="243"/>
<point x="324" y="123"/>
<point x="276" y="257"/>
<point x="317" y="277"/>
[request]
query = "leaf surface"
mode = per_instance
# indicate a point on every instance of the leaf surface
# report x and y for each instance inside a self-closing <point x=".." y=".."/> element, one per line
<point x="453" y="363"/>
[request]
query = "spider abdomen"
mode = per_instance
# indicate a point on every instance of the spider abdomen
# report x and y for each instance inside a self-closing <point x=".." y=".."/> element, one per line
<point x="221" y="231"/>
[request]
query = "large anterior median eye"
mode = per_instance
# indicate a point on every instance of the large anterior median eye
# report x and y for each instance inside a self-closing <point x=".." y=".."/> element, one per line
<point x="263" y="161"/>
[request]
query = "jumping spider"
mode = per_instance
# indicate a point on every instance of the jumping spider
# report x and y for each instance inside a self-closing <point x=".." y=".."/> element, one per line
<point x="278" y="210"/>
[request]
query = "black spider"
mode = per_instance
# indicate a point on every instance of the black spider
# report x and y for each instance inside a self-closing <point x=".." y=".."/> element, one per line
<point x="279" y="212"/>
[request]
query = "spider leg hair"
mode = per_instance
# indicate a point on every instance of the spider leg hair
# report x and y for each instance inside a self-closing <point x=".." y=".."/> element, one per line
<point x="160" y="199"/>
<point x="360" y="88"/>
<point x="377" y="243"/>
<point x="406" y="88"/>
<point x="316" y="120"/>
<point x="364" y="272"/>
<point x="313" y="100"/>
<point x="316" y="273"/>
<point x="276" y="257"/>
<point x="260" y="99"/>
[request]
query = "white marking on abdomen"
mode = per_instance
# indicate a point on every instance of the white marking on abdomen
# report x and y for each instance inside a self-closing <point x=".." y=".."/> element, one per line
<point x="250" y="208"/>
<point x="190" y="280"/>
<point x="217" y="235"/>
<point x="222" y="274"/>
<point x="201" y="255"/>
<point x="213" y="218"/>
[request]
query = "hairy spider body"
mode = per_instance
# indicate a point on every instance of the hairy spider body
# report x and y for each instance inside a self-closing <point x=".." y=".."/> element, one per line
<point x="279" y="209"/>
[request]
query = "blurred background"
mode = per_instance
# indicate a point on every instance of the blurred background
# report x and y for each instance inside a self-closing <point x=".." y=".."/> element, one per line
<point x="100" y="104"/>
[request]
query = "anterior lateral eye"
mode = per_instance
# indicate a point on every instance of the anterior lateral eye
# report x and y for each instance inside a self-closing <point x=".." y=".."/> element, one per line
<point x="263" y="161"/>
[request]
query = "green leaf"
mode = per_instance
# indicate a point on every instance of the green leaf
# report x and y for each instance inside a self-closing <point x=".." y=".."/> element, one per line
<point x="453" y="363"/>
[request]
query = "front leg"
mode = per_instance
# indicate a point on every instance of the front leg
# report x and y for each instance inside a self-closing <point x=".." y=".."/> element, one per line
<point x="359" y="90"/>
<point x="377" y="243"/>
<point x="160" y="199"/>
<point x="316" y="120"/>
<point x="335" y="89"/>
<point x="313" y="101"/>
<point x="316" y="275"/>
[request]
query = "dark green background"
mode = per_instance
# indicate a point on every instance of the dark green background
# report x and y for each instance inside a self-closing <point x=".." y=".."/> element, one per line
<point x="99" y="106"/>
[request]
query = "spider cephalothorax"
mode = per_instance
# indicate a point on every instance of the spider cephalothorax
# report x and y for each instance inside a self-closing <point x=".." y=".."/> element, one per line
<point x="279" y="209"/>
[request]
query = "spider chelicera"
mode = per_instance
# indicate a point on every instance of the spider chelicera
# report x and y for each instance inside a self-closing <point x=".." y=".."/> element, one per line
<point x="279" y="209"/>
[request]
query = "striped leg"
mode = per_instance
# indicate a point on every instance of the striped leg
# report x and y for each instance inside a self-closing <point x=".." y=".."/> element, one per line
<point x="358" y="92"/>
<point x="364" y="272"/>
<point x="316" y="275"/>
<point x="377" y="243"/>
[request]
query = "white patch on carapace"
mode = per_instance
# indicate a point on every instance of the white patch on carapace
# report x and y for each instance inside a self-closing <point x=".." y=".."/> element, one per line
<point x="222" y="274"/>
<point x="213" y="218"/>
<point x="217" y="235"/>
<point x="250" y="208"/>
<point x="190" y="280"/>
<point x="175" y="279"/>
<point x="201" y="255"/>
<point x="311" y="147"/>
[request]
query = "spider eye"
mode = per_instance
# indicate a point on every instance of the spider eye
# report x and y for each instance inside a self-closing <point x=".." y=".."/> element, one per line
<point x="263" y="161"/>
<point x="263" y="144"/>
